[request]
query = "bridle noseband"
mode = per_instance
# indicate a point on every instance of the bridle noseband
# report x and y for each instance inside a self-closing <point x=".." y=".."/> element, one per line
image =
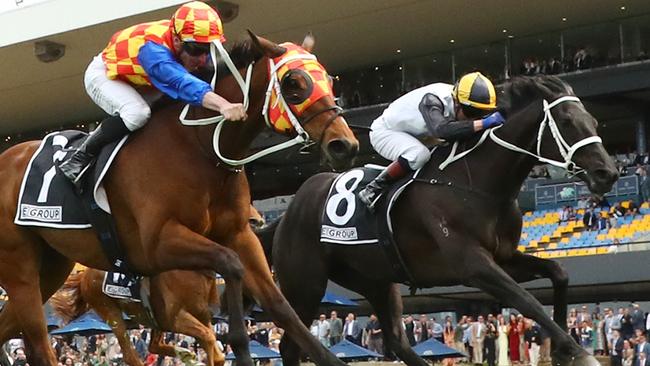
<point x="566" y="151"/>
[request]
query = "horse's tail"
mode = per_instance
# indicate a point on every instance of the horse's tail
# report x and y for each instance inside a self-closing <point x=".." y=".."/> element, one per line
<point x="68" y="303"/>
<point x="266" y="234"/>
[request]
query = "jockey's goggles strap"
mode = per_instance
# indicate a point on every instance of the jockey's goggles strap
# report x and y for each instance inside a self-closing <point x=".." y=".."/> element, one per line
<point x="566" y="151"/>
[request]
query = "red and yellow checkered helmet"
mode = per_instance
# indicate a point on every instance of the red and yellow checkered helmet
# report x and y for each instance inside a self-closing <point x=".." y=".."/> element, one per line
<point x="197" y="22"/>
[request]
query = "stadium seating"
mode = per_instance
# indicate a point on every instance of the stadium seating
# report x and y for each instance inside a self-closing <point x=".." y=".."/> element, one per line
<point x="545" y="236"/>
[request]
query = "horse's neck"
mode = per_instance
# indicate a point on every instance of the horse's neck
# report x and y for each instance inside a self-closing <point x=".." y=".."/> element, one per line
<point x="493" y="169"/>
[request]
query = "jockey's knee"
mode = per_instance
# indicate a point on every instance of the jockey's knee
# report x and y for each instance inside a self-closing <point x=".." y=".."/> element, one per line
<point x="417" y="158"/>
<point x="135" y="115"/>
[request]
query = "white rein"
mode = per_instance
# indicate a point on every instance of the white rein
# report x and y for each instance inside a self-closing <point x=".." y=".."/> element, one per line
<point x="274" y="82"/>
<point x="567" y="151"/>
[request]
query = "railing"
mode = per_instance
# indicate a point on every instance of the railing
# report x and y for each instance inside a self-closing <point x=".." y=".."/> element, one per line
<point x="613" y="248"/>
<point x="608" y="43"/>
<point x="572" y="192"/>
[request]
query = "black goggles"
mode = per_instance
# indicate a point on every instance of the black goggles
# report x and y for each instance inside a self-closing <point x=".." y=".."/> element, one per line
<point x="196" y="49"/>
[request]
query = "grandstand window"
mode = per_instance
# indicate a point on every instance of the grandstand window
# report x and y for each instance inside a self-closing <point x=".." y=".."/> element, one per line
<point x="488" y="59"/>
<point x="600" y="42"/>
<point x="536" y="54"/>
<point x="425" y="70"/>
<point x="636" y="38"/>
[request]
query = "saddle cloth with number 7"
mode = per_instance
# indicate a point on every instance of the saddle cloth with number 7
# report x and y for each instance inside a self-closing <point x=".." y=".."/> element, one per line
<point x="47" y="198"/>
<point x="347" y="220"/>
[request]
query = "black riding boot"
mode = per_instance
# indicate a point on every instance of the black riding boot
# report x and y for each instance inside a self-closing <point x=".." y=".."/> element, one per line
<point x="393" y="172"/>
<point x="109" y="130"/>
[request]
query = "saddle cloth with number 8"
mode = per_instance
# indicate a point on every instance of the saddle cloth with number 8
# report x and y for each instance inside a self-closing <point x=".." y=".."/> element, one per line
<point x="347" y="220"/>
<point x="47" y="198"/>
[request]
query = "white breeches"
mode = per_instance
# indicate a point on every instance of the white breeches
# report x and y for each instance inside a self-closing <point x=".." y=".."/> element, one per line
<point x="117" y="97"/>
<point x="395" y="144"/>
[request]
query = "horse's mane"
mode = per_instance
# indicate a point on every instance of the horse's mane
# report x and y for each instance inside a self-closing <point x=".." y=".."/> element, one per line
<point x="520" y="91"/>
<point x="242" y="54"/>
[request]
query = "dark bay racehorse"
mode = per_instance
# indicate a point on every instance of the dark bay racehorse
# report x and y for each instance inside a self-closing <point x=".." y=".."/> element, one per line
<point x="176" y="206"/>
<point x="466" y="233"/>
<point x="181" y="302"/>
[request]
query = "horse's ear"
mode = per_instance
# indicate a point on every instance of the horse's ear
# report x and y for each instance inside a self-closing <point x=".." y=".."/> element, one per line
<point x="267" y="47"/>
<point x="308" y="42"/>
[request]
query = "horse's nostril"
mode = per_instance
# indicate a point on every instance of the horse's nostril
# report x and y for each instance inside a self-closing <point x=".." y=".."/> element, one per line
<point x="338" y="147"/>
<point x="606" y="175"/>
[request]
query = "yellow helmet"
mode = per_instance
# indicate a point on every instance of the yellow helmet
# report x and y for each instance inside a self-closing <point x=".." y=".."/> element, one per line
<point x="196" y="21"/>
<point x="477" y="91"/>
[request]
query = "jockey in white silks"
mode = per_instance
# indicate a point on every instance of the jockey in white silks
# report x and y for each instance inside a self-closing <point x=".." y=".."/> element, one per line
<point x="449" y="112"/>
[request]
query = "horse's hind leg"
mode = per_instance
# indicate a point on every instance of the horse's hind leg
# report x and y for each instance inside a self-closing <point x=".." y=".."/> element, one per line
<point x="386" y="300"/>
<point x="524" y="268"/>
<point x="112" y="314"/>
<point x="52" y="274"/>
<point x="480" y="271"/>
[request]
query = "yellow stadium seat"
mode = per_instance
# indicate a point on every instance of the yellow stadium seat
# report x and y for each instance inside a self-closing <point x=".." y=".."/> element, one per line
<point x="580" y="224"/>
<point x="581" y="211"/>
<point x="521" y="248"/>
<point x="545" y="239"/>
<point x="564" y="241"/>
<point x="591" y="251"/>
<point x="533" y="244"/>
<point x="525" y="224"/>
<point x="602" y="250"/>
<point x="625" y="204"/>
<point x="528" y="214"/>
<point x="552" y="246"/>
<point x="577" y="235"/>
<point x="645" y="205"/>
<point x="601" y="237"/>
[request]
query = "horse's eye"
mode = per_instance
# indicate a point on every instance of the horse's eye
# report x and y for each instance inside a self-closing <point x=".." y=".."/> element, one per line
<point x="296" y="86"/>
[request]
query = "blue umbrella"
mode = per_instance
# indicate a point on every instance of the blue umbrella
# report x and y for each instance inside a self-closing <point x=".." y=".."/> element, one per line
<point x="86" y="325"/>
<point x="258" y="352"/>
<point x="435" y="349"/>
<point x="348" y="350"/>
<point x="334" y="299"/>
<point x="53" y="321"/>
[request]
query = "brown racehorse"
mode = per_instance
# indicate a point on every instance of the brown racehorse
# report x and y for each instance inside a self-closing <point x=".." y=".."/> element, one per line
<point x="457" y="226"/>
<point x="176" y="307"/>
<point x="176" y="207"/>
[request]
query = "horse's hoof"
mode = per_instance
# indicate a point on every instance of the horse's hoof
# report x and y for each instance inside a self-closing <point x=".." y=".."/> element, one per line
<point x="582" y="359"/>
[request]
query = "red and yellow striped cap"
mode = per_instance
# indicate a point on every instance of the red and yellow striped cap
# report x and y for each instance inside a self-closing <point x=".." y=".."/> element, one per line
<point x="197" y="22"/>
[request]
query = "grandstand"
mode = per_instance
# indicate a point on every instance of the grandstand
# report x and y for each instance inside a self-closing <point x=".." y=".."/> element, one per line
<point x="546" y="236"/>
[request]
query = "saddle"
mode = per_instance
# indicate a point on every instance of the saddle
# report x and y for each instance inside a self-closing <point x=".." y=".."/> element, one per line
<point x="348" y="221"/>
<point x="49" y="199"/>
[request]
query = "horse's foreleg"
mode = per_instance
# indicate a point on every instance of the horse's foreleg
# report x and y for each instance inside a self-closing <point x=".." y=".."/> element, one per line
<point x="186" y="323"/>
<point x="524" y="268"/>
<point x="259" y="282"/>
<point x="158" y="346"/>
<point x="181" y="248"/>
<point x="479" y="270"/>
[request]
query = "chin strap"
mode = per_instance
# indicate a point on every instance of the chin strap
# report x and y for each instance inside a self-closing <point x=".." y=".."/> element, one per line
<point x="566" y="151"/>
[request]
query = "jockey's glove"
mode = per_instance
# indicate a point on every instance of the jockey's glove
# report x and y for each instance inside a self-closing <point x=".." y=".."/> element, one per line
<point x="493" y="120"/>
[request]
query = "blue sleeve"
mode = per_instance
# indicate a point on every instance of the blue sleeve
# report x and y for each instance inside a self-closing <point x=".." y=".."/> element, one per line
<point x="169" y="76"/>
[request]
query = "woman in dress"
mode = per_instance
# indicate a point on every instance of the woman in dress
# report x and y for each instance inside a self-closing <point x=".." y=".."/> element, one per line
<point x="448" y="336"/>
<point x="586" y="337"/>
<point x="502" y="342"/>
<point x="523" y="349"/>
<point x="513" y="339"/>
<point x="599" y="335"/>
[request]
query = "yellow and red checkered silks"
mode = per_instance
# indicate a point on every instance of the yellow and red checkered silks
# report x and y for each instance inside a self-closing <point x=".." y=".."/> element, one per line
<point x="198" y="22"/>
<point x="121" y="54"/>
<point x="192" y="22"/>
<point x="278" y="117"/>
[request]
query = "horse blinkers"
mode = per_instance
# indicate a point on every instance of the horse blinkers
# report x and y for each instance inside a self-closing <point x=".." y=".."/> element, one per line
<point x="296" y="86"/>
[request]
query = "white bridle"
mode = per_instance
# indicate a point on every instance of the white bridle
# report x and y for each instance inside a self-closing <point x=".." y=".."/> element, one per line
<point x="566" y="151"/>
<point x="274" y="82"/>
